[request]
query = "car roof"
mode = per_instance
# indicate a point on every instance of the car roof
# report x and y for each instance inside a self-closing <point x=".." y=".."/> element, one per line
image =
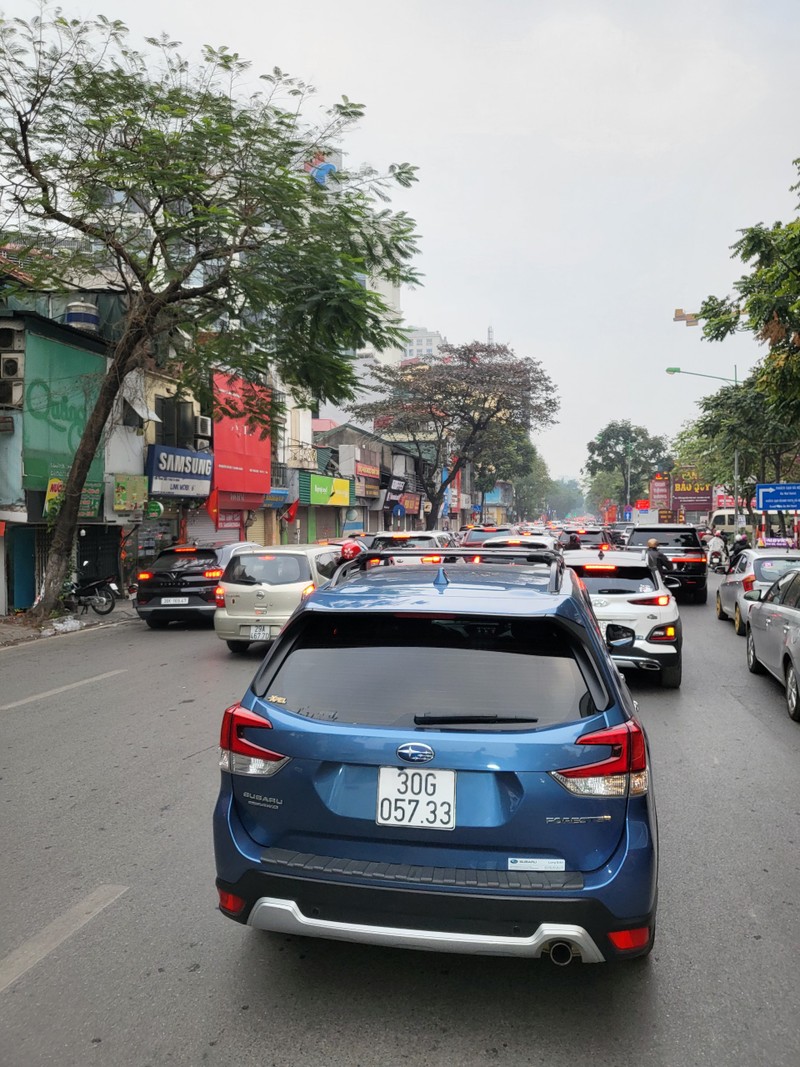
<point x="619" y="559"/>
<point x="772" y="553"/>
<point x="478" y="589"/>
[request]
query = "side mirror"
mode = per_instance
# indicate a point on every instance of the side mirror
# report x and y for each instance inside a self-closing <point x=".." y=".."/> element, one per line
<point x="753" y="594"/>
<point x="672" y="583"/>
<point x="617" y="636"/>
<point x="85" y="563"/>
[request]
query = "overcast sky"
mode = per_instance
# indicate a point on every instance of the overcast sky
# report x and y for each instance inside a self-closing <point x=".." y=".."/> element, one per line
<point x="584" y="167"/>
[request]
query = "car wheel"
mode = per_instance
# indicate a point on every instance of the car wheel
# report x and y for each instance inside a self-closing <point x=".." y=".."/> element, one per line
<point x="701" y="595"/>
<point x="671" y="676"/>
<point x="720" y="610"/>
<point x="738" y="622"/>
<point x="157" y="624"/>
<point x="792" y="695"/>
<point x="754" y="664"/>
<point x="238" y="646"/>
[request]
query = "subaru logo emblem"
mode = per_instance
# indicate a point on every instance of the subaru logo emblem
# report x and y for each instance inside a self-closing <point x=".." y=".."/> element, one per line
<point x="415" y="752"/>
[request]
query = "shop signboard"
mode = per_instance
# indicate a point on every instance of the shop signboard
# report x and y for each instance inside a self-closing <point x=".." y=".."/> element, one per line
<point x="62" y="384"/>
<point x="367" y="470"/>
<point x="277" y="497"/>
<point x="91" y="494"/>
<point x="242" y="461"/>
<point x="689" y="491"/>
<point x="666" y="515"/>
<point x="179" y="472"/>
<point x="411" y="502"/>
<point x="397" y="486"/>
<point x="367" y="487"/>
<point x="130" y="492"/>
<point x="642" y="505"/>
<point x="228" y="520"/>
<point x="325" y="491"/>
<point x="659" y="491"/>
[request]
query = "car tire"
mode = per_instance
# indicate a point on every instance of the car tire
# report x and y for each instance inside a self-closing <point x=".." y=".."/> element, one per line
<point x="792" y="693"/>
<point x="238" y="647"/>
<point x="754" y="664"/>
<point x="720" y="610"/>
<point x="700" y="595"/>
<point x="157" y="624"/>
<point x="671" y="676"/>
<point x="738" y="623"/>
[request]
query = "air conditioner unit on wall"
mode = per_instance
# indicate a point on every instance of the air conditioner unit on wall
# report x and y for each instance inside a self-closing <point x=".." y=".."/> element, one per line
<point x="12" y="366"/>
<point x="202" y="426"/>
<point x="11" y="394"/>
<point x="12" y="339"/>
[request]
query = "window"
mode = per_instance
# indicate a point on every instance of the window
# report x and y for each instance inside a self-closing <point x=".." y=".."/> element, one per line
<point x="327" y="563"/>
<point x="617" y="580"/>
<point x="268" y="569"/>
<point x="459" y="666"/>
<point x="666" y="538"/>
<point x="776" y="593"/>
<point x="769" y="570"/>
<point x="176" y="429"/>
<point x="791" y="592"/>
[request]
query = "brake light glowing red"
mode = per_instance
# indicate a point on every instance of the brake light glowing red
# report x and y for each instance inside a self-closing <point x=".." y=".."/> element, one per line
<point x="629" y="939"/>
<point x="604" y="547"/>
<point x="188" y="549"/>
<point x="215" y="572"/>
<point x="430" y="559"/>
<point x="660" y="601"/>
<point x="144" y="576"/>
<point x="599" y="567"/>
<point x="219" y="596"/>
<point x="690" y="559"/>
<point x="475" y="559"/>
<point x="230" y="903"/>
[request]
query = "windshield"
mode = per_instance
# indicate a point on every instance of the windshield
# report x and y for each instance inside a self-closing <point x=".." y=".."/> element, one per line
<point x="268" y="569"/>
<point x="464" y="667"/>
<point x="477" y="537"/>
<point x="616" y="580"/>
<point x="421" y="540"/>
<point x="769" y="570"/>
<point x="180" y="560"/>
<point x="666" y="538"/>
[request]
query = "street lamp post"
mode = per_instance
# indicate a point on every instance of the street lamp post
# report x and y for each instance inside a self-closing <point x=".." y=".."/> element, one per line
<point x="731" y="381"/>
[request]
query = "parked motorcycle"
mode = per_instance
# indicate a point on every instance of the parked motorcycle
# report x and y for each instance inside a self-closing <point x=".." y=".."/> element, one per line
<point x="99" y="594"/>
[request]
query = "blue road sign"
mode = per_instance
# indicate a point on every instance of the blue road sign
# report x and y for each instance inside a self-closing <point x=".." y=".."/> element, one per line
<point x="778" y="496"/>
<point x="627" y="514"/>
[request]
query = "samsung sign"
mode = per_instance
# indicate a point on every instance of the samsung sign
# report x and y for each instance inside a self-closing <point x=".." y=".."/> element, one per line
<point x="178" y="471"/>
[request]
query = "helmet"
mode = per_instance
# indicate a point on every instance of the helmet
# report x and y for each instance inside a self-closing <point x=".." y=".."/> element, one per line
<point x="350" y="549"/>
<point x="739" y="537"/>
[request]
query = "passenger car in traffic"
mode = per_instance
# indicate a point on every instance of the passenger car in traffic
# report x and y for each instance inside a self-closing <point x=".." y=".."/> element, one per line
<point x="638" y="602"/>
<point x="773" y="635"/>
<point x="181" y="581"/>
<point x="755" y="568"/>
<point x="483" y="788"/>
<point x="478" y="534"/>
<point x="429" y="539"/>
<point x="260" y="589"/>
<point x="681" y="544"/>
<point x="588" y="536"/>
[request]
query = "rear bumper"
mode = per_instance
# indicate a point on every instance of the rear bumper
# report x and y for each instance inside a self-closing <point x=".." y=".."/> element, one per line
<point x="237" y="628"/>
<point x="175" y="611"/>
<point x="646" y="658"/>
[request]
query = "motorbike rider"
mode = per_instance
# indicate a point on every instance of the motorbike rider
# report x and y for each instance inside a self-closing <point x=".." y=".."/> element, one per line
<point x="716" y="544"/>
<point x="740" y="543"/>
<point x="656" y="560"/>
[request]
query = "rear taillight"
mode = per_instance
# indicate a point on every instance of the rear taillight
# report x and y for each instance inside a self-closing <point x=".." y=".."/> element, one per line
<point x="219" y="596"/>
<point x="144" y="576"/>
<point x="622" y="773"/>
<point x="748" y="582"/>
<point x="239" y="755"/>
<point x="475" y="559"/>
<point x="625" y="940"/>
<point x="652" y="601"/>
<point x="663" y="633"/>
<point x="690" y="559"/>
<point x="430" y="559"/>
<point x="603" y="548"/>
<point x="309" y="589"/>
<point x="215" y="572"/>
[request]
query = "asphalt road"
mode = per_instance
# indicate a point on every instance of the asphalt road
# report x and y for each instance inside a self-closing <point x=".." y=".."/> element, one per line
<point x="112" y="952"/>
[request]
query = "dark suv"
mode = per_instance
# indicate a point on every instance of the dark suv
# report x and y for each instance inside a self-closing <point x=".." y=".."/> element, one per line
<point x="505" y="809"/>
<point x="683" y="546"/>
<point x="181" y="581"/>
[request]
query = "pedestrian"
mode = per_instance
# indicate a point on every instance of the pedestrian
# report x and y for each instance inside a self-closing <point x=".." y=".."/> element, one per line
<point x="656" y="560"/>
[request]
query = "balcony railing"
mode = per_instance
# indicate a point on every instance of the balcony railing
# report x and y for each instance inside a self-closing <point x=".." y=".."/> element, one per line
<point x="280" y="475"/>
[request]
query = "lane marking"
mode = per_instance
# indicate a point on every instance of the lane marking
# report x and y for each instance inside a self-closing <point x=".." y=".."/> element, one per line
<point x="62" y="689"/>
<point x="35" y="949"/>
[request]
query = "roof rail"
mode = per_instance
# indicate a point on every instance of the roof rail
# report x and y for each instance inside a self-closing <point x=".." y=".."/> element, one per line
<point x="519" y="556"/>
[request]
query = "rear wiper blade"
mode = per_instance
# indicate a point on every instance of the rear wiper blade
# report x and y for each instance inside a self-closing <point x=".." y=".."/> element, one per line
<point x="438" y="720"/>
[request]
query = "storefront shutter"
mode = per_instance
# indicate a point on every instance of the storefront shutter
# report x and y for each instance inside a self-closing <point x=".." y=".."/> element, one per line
<point x="200" y="527"/>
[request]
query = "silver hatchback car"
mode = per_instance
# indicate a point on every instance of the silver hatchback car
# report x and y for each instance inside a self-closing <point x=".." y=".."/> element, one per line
<point x="756" y="568"/>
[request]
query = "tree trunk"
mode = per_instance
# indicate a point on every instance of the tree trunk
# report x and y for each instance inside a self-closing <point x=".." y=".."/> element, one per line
<point x="60" y="555"/>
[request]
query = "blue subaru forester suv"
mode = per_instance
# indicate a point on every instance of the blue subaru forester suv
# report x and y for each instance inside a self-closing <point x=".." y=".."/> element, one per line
<point x="442" y="757"/>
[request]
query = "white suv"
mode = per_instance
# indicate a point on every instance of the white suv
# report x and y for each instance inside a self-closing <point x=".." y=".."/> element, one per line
<point x="636" y="611"/>
<point x="433" y="539"/>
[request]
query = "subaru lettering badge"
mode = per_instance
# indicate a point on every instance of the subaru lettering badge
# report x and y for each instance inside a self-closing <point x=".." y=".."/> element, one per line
<point x="415" y="752"/>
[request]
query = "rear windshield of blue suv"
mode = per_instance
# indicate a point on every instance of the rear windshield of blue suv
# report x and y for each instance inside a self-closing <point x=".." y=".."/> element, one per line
<point x="383" y="670"/>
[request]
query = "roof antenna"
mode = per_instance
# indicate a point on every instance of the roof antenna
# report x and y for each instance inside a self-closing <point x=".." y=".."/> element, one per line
<point x="441" y="581"/>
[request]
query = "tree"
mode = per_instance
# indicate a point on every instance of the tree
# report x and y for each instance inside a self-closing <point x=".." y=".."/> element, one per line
<point x="630" y="451"/>
<point x="603" y="486"/>
<point x="459" y="402"/>
<point x="531" y="489"/>
<point x="766" y="302"/>
<point x="565" y="498"/>
<point x="508" y="454"/>
<point x="191" y="199"/>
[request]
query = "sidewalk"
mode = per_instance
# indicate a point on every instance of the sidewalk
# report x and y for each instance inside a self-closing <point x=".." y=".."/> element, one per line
<point x="15" y="629"/>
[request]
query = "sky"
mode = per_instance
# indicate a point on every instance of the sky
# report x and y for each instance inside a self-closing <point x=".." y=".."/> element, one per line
<point x="584" y="167"/>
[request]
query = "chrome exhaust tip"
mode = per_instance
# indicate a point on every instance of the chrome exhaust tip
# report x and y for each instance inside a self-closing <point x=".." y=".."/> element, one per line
<point x="648" y="665"/>
<point x="561" y="953"/>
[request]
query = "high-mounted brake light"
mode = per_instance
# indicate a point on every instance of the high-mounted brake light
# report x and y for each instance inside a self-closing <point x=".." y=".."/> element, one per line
<point x="219" y="596"/>
<point x="660" y="601"/>
<point x="622" y="773"/>
<point x="144" y="576"/>
<point x="604" y="547"/>
<point x="215" y="572"/>
<point x="190" y="548"/>
<point x="239" y="755"/>
<point x="599" y="567"/>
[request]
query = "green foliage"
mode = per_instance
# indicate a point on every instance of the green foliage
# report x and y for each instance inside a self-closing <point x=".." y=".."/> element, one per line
<point x="630" y="451"/>
<point x="531" y="489"/>
<point x="476" y="402"/>
<point x="766" y="302"/>
<point x="603" y="486"/>
<point x="565" y="498"/>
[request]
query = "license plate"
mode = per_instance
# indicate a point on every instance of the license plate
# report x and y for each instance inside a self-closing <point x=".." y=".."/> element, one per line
<point x="416" y="797"/>
<point x="259" y="633"/>
<point x="171" y="600"/>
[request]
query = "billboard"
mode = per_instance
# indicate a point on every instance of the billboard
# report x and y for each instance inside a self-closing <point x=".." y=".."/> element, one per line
<point x="241" y="455"/>
<point x="689" y="491"/>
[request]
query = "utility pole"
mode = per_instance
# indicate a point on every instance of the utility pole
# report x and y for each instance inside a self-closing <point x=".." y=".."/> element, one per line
<point x="628" y="448"/>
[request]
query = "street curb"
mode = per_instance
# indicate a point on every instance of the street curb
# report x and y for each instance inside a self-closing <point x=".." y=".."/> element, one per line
<point x="29" y="637"/>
